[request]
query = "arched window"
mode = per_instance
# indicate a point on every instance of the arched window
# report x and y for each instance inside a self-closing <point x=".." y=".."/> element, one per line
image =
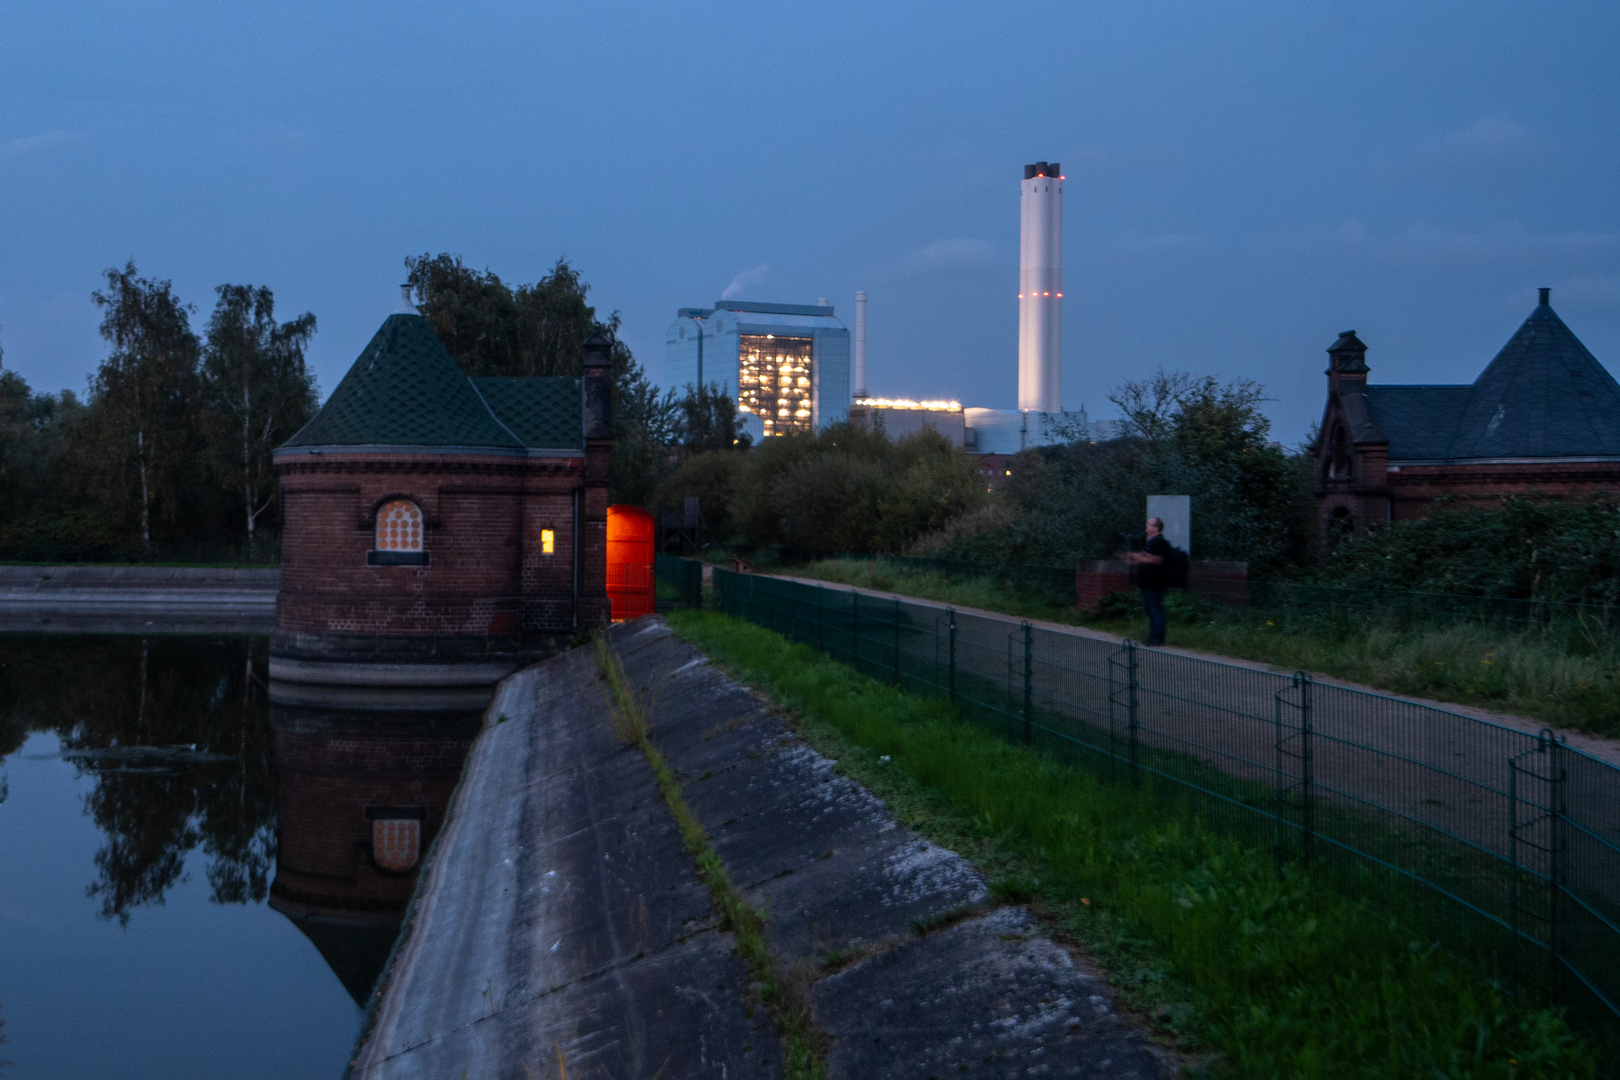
<point x="399" y="526"/>
<point x="399" y="535"/>
<point x="1340" y="465"/>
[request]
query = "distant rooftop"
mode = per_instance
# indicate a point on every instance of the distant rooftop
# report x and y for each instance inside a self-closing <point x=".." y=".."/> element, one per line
<point x="771" y="309"/>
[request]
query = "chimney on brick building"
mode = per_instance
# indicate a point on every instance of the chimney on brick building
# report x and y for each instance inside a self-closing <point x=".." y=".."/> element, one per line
<point x="1347" y="361"/>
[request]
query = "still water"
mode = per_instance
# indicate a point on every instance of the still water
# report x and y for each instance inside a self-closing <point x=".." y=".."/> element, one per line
<point x="194" y="881"/>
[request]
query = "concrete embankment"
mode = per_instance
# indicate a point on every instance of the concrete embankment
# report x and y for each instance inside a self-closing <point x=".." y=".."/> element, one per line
<point x="136" y="599"/>
<point x="559" y="918"/>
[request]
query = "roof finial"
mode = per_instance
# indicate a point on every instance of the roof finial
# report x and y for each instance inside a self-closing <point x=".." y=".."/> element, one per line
<point x="1545" y="293"/>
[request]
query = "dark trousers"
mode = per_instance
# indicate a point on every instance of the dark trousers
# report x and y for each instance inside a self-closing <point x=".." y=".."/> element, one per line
<point x="1153" y="601"/>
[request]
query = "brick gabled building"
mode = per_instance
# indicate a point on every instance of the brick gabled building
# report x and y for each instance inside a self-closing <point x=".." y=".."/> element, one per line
<point x="1542" y="420"/>
<point x="439" y="526"/>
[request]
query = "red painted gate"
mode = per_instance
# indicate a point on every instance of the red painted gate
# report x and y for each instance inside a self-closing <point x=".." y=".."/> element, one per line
<point x="629" y="562"/>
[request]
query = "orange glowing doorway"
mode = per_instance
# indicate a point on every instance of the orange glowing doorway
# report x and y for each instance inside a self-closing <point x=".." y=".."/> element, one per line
<point x="629" y="562"/>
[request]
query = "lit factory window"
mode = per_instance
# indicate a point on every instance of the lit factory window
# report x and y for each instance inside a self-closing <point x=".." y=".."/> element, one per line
<point x="548" y="542"/>
<point x="774" y="381"/>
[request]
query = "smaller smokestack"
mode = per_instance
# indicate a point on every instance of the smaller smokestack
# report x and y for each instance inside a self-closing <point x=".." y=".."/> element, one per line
<point x="405" y="305"/>
<point x="860" y="344"/>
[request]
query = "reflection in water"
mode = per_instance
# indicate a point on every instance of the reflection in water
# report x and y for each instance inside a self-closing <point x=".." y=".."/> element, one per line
<point x="175" y="734"/>
<point x="193" y="759"/>
<point x="363" y="793"/>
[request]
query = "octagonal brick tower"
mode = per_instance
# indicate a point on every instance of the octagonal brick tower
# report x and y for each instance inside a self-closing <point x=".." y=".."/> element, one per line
<point x="440" y="527"/>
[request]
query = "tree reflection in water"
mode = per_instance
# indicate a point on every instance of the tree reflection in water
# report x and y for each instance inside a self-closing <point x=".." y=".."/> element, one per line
<point x="324" y="807"/>
<point x="175" y="733"/>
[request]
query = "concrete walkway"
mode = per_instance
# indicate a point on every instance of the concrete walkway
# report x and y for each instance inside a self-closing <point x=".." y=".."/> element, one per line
<point x="138" y="599"/>
<point x="1596" y="745"/>
<point x="559" y="918"/>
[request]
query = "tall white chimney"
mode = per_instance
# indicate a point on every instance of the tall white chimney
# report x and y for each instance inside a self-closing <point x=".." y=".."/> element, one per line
<point x="1040" y="289"/>
<point x="860" y="345"/>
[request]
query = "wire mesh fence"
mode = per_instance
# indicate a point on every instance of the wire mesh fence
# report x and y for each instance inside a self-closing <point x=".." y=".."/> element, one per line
<point x="1510" y="841"/>
<point x="677" y="582"/>
<point x="1412" y="608"/>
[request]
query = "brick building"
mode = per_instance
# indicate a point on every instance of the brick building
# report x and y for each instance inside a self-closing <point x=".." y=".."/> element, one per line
<point x="1542" y="419"/>
<point x="437" y="526"/>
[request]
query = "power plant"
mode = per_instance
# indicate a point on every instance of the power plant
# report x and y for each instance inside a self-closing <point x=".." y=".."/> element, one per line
<point x="1040" y="289"/>
<point x="725" y="344"/>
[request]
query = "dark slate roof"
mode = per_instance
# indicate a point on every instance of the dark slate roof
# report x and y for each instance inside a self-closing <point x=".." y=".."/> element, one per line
<point x="1544" y="395"/>
<point x="1419" y="421"/>
<point x="546" y="413"/>
<point x="404" y="390"/>
<point x="1358" y="416"/>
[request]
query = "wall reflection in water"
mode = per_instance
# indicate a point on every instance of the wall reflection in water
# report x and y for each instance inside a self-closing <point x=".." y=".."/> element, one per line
<point x="363" y="793"/>
<point x="323" y="803"/>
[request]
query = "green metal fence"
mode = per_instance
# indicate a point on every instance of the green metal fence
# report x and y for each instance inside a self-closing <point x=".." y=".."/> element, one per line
<point x="1407" y="607"/>
<point x="678" y="582"/>
<point x="1519" y="832"/>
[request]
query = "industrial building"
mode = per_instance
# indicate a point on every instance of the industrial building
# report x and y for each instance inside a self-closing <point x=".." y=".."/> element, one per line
<point x="787" y="365"/>
<point x="899" y="417"/>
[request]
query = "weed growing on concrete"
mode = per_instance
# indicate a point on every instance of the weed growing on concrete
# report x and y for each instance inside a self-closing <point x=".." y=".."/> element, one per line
<point x="803" y="1044"/>
<point x="1281" y="975"/>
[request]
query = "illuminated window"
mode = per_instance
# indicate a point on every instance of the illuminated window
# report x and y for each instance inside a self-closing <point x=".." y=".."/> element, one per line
<point x="399" y="526"/>
<point x="774" y="380"/>
<point x="548" y="542"/>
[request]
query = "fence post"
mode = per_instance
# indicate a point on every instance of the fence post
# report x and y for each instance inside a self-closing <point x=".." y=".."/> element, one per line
<point x="855" y="629"/>
<point x="896" y="612"/>
<point x="951" y="612"/>
<point x="1029" y="672"/>
<point x="1307" y="797"/>
<point x="821" y="643"/>
<point x="1131" y="709"/>
<point x="1555" y="862"/>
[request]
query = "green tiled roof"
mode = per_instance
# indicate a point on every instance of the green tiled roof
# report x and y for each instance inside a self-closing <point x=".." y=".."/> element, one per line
<point x="404" y="390"/>
<point x="542" y="411"/>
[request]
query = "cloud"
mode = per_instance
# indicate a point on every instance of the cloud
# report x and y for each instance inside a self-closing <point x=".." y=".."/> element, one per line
<point x="1429" y="245"/>
<point x="754" y="275"/>
<point x="1492" y="153"/>
<point x="945" y="255"/>
<point x="32" y="144"/>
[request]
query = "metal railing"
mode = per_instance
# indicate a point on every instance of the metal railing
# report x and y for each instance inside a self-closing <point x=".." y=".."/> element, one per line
<point x="1521" y="832"/>
<point x="678" y="582"/>
<point x="1413" y="607"/>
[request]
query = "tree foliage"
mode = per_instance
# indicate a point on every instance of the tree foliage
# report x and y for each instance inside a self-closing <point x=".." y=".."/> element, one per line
<point x="841" y="489"/>
<point x="1185" y="435"/>
<point x="171" y="446"/>
<point x="142" y="396"/>
<point x="492" y="328"/>
<point x="256" y="391"/>
<point x="1521" y="548"/>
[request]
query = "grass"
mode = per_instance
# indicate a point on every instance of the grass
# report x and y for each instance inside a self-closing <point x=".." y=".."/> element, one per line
<point x="1563" y="678"/>
<point x="803" y="1044"/>
<point x="1272" y="973"/>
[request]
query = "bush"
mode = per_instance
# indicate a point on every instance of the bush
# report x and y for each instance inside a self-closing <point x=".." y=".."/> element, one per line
<point x="1251" y="500"/>
<point x="1518" y="548"/>
<point x="842" y="489"/>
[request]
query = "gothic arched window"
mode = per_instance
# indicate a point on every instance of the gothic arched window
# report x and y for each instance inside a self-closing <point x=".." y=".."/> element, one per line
<point x="1340" y="465"/>
<point x="400" y="534"/>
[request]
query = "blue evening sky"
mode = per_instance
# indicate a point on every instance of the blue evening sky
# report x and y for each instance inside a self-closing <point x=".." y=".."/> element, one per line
<point x="1245" y="180"/>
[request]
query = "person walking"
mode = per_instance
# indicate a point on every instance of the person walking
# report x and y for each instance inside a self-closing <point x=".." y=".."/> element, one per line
<point x="1153" y="577"/>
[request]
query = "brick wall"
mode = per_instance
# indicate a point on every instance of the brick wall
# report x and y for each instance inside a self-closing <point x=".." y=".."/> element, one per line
<point x="487" y="575"/>
<point x="1227" y="582"/>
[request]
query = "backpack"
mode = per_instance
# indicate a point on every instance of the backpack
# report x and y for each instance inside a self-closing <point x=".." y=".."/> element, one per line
<point x="1175" y="569"/>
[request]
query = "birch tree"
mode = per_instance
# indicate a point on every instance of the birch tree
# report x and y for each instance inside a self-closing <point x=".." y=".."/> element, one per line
<point x="142" y="391"/>
<point x="257" y="391"/>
